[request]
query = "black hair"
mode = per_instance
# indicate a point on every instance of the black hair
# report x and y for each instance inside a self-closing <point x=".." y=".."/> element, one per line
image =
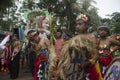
<point x="30" y="32"/>
<point x="59" y="30"/>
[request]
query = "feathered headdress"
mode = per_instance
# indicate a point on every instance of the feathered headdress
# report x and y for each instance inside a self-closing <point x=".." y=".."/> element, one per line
<point x="82" y="17"/>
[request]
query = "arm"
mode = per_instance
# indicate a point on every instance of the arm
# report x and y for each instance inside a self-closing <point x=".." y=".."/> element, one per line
<point x="116" y="45"/>
<point x="114" y="41"/>
<point x="47" y="42"/>
<point x="94" y="56"/>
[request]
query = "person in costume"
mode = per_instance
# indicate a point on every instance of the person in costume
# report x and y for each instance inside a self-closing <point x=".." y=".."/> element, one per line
<point x="3" y="61"/>
<point x="4" y="52"/>
<point x="31" y="56"/>
<point x="42" y="55"/>
<point x="78" y="53"/>
<point x="6" y="56"/>
<point x="104" y="46"/>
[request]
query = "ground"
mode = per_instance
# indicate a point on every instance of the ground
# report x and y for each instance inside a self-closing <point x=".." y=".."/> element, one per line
<point x="24" y="74"/>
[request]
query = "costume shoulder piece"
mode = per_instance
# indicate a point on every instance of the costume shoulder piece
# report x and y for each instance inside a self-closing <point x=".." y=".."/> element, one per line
<point x="78" y="42"/>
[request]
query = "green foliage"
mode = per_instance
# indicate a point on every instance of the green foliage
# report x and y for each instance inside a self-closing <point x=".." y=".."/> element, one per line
<point x="28" y="4"/>
<point x="65" y="10"/>
<point x="5" y="4"/>
<point x="35" y="13"/>
<point x="5" y="26"/>
<point x="115" y="23"/>
<point x="9" y="18"/>
<point x="115" y="28"/>
<point x="89" y="9"/>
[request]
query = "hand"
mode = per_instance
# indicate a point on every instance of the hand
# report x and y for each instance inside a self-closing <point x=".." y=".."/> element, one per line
<point x="84" y="64"/>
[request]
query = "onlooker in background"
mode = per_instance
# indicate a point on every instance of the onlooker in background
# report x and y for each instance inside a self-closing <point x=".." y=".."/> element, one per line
<point x="56" y="50"/>
<point x="59" y="43"/>
<point x="15" y="59"/>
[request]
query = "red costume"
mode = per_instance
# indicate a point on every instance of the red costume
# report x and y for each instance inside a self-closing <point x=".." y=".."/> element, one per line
<point x="41" y="61"/>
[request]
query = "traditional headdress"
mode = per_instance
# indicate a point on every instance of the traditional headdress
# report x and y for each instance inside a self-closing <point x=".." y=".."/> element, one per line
<point x="106" y="27"/>
<point x="32" y="33"/>
<point x="43" y="27"/>
<point x="83" y="17"/>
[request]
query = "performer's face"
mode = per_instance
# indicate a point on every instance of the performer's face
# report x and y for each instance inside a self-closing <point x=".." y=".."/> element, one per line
<point x="102" y="32"/>
<point x="36" y="37"/>
<point x="81" y="26"/>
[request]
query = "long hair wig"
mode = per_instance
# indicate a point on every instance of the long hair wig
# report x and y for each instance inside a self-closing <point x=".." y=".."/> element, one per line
<point x="53" y="60"/>
<point x="76" y="43"/>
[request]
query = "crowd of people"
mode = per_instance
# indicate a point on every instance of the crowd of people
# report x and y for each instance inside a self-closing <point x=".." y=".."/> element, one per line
<point x="84" y="56"/>
<point x="10" y="57"/>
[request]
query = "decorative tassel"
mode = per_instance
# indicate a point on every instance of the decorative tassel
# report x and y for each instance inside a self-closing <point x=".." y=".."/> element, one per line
<point x="97" y="66"/>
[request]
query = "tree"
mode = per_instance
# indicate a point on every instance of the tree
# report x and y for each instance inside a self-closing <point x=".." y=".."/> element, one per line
<point x="5" y="4"/>
<point x="64" y="10"/>
<point x="115" y="23"/>
<point x="71" y="10"/>
<point x="12" y="18"/>
<point x="87" y="8"/>
<point x="27" y="5"/>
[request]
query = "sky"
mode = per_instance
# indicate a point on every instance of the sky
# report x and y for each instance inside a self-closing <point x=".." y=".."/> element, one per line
<point x="106" y="7"/>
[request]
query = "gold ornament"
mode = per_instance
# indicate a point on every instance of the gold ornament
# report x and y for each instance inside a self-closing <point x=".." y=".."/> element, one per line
<point x="105" y="45"/>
